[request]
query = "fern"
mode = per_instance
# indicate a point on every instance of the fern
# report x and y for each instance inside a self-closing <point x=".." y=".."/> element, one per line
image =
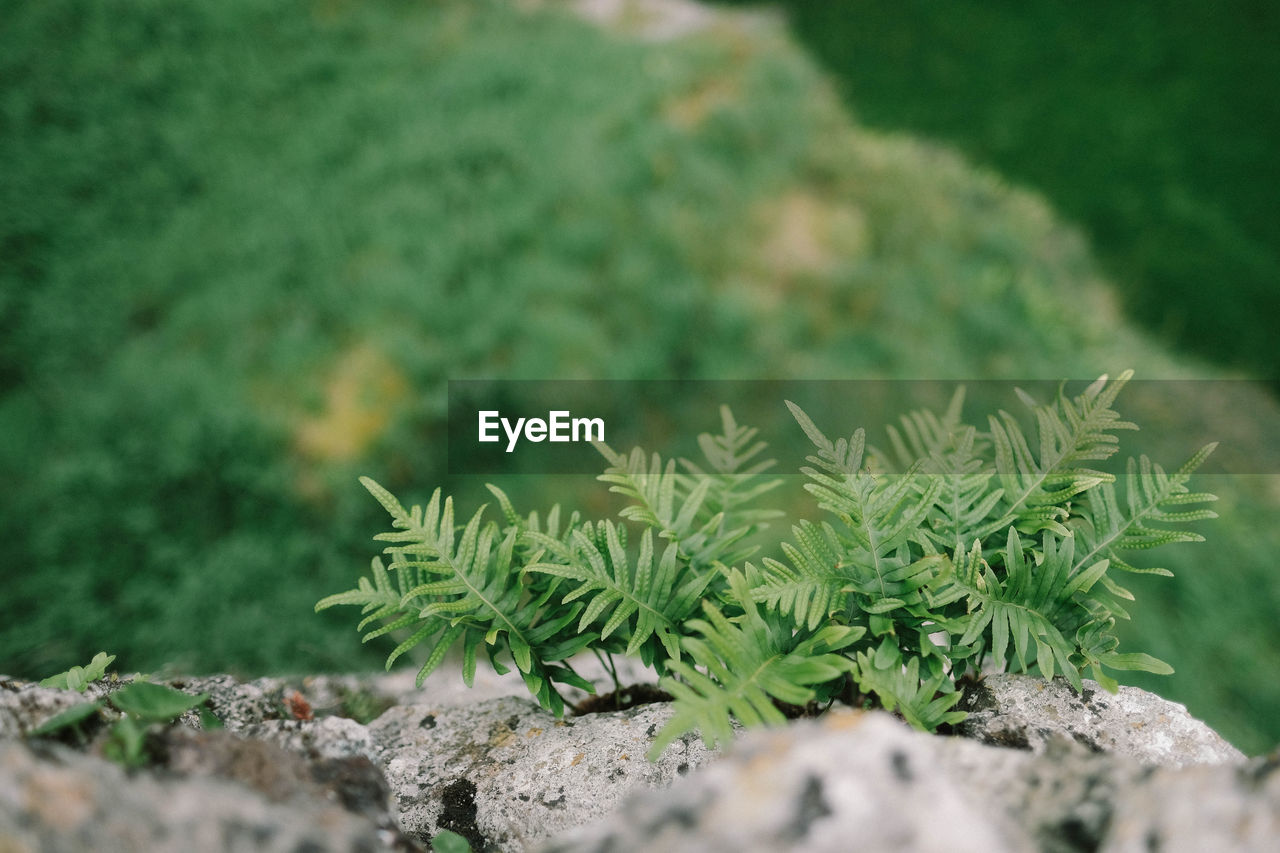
<point x="646" y="602"/>
<point x="1071" y="434"/>
<point x="1151" y="493"/>
<point x="466" y="590"/>
<point x="706" y="513"/>
<point x="959" y="551"/>
<point x="952" y="452"/>
<point x="900" y="687"/>
<point x="747" y="664"/>
<point x="1033" y="602"/>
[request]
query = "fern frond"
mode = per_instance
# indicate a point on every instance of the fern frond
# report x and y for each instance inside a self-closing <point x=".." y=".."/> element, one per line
<point x="1032" y="604"/>
<point x="746" y="664"/>
<point x="466" y="589"/>
<point x="947" y="448"/>
<point x="1098" y="646"/>
<point x="813" y="587"/>
<point x="922" y="702"/>
<point x="881" y="516"/>
<point x="924" y="434"/>
<point x="647" y="603"/>
<point x="1072" y="433"/>
<point x="1151" y="494"/>
<point x="736" y="480"/>
<point x="705" y="513"/>
<point x="652" y="485"/>
<point x="824" y="582"/>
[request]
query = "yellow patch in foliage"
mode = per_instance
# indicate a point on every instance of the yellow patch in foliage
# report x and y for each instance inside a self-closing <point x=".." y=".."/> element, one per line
<point x="361" y="394"/>
<point x="806" y="235"/>
<point x="689" y="110"/>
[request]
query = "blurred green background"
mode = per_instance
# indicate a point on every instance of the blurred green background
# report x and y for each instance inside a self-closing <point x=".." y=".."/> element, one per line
<point x="1153" y="125"/>
<point x="243" y="245"/>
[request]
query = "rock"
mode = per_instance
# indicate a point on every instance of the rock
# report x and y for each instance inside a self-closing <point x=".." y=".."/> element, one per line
<point x="25" y="706"/>
<point x="851" y="781"/>
<point x="1025" y="712"/>
<point x="1041" y="769"/>
<point x="866" y="782"/>
<point x="311" y="769"/>
<point x="55" y="799"/>
<point x="237" y="704"/>
<point x="507" y="775"/>
<point x="1060" y="798"/>
<point x="327" y="737"/>
<point x="1194" y="809"/>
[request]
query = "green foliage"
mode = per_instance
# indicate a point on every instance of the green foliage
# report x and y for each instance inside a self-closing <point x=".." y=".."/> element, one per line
<point x="141" y="704"/>
<point x="71" y="717"/>
<point x="446" y="841"/>
<point x="154" y="703"/>
<point x="1163" y="162"/>
<point x="468" y="591"/>
<point x="747" y="665"/>
<point x="990" y="550"/>
<point x="79" y="677"/>
<point x="501" y="588"/>
<point x="219" y="218"/>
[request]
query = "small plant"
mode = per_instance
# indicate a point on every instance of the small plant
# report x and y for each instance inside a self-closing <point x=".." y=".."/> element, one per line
<point x="958" y="551"/>
<point x="446" y="841"/>
<point x="141" y="705"/>
<point x="79" y="677"/>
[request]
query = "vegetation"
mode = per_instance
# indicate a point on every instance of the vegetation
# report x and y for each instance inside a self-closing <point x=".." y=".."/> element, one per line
<point x="1148" y="123"/>
<point x="80" y="677"/>
<point x="139" y="707"/>
<point x="962" y="551"/>
<point x="244" y="243"/>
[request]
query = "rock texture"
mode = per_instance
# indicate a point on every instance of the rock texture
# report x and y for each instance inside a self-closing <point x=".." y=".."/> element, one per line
<point x="54" y="799"/>
<point x="853" y="781"/>
<point x="866" y="782"/>
<point x="1028" y="713"/>
<point x="506" y="774"/>
<point x="25" y="707"/>
<point x="1035" y="768"/>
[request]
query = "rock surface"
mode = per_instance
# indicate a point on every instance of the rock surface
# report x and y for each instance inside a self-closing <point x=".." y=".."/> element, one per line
<point x="504" y="773"/>
<point x="55" y="799"/>
<point x="852" y="779"/>
<point x="25" y="707"/>
<point x="866" y="782"/>
<point x="1036" y="768"/>
<point x="1028" y="713"/>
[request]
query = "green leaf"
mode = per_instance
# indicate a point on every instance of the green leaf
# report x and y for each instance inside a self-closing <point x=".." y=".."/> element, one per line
<point x="69" y="717"/>
<point x="79" y="677"/>
<point x="1137" y="660"/>
<point x="445" y="841"/>
<point x="745" y="666"/>
<point x="125" y="742"/>
<point x="154" y="703"/>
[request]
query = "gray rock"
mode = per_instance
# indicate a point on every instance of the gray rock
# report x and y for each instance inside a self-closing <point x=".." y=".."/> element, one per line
<point x="1087" y="772"/>
<point x="1062" y="798"/>
<point x="866" y="782"/>
<point x="59" y="800"/>
<point x="851" y="781"/>
<point x="327" y="737"/>
<point x="24" y="706"/>
<point x="1195" y="809"/>
<point x="507" y="775"/>
<point x="1025" y="712"/>
<point x="238" y="703"/>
